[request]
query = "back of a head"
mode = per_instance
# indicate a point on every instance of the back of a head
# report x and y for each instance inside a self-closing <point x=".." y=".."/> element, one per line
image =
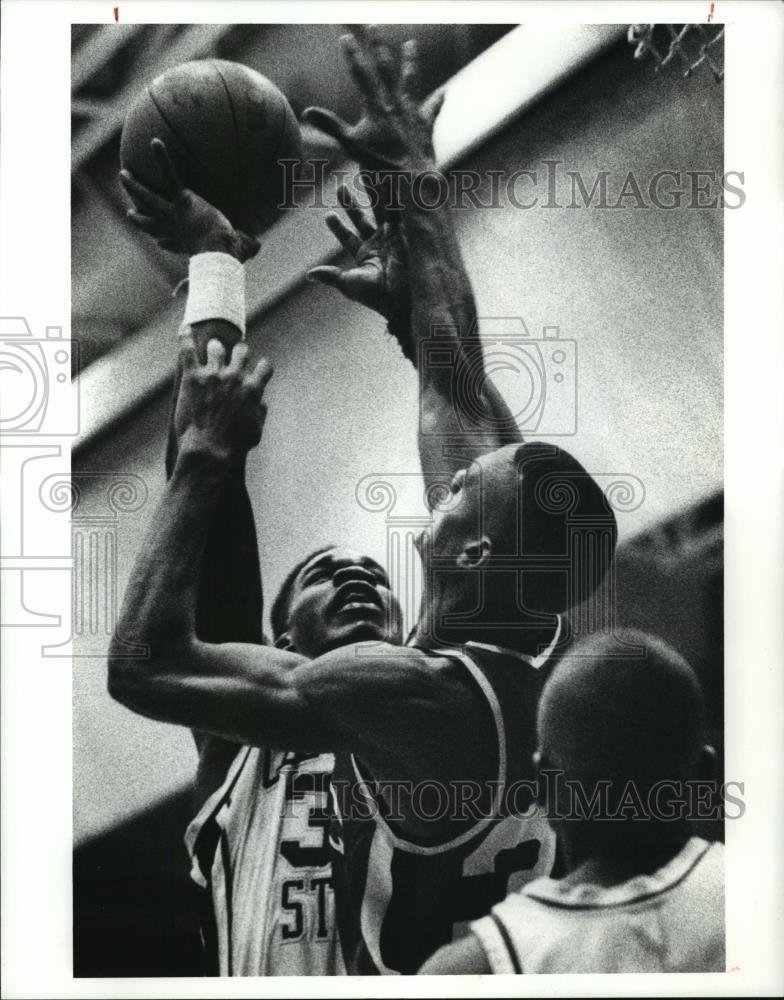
<point x="606" y="715"/>
<point x="561" y="522"/>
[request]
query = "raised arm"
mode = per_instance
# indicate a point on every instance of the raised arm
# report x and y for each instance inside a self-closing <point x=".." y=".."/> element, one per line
<point x="434" y="301"/>
<point x="395" y="707"/>
<point x="229" y="604"/>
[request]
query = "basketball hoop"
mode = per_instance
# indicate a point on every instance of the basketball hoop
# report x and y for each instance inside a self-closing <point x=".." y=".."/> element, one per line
<point x="693" y="44"/>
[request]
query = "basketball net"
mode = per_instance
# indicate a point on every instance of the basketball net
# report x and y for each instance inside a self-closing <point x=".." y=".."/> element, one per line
<point x="693" y="44"/>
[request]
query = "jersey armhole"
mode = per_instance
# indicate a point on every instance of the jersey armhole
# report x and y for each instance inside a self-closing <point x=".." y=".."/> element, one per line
<point x="210" y="808"/>
<point x="500" y="782"/>
<point x="491" y="700"/>
<point x="497" y="943"/>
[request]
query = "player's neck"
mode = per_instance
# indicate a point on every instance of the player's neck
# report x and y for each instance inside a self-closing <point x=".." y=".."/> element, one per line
<point x="529" y="638"/>
<point x="595" y="866"/>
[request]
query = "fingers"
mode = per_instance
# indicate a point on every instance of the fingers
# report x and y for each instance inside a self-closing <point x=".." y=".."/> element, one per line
<point x="239" y="358"/>
<point x="384" y="62"/>
<point x="357" y="51"/>
<point x="152" y="226"/>
<point x="172" y="185"/>
<point x="187" y="352"/>
<point x="364" y="227"/>
<point x="410" y="84"/>
<point x="262" y="373"/>
<point x="432" y="106"/>
<point x="216" y="356"/>
<point x="142" y="196"/>
<point x="347" y="239"/>
<point x="327" y="275"/>
<point x="329" y="123"/>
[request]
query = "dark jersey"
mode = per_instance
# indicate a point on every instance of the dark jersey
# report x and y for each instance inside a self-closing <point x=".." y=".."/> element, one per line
<point x="397" y="900"/>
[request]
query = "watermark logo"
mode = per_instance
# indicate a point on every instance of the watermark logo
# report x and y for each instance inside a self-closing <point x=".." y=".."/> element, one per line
<point x="38" y="408"/>
<point x="95" y="502"/>
<point x="41" y="567"/>
<point x="37" y="397"/>
<point x="536" y="375"/>
<point x="547" y="184"/>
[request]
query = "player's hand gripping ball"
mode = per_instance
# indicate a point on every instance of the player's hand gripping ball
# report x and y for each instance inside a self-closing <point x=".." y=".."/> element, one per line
<point x="180" y="220"/>
<point x="227" y="130"/>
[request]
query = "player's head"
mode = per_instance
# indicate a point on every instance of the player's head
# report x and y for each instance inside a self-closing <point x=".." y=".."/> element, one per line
<point x="625" y="710"/>
<point x="332" y="597"/>
<point x="529" y="507"/>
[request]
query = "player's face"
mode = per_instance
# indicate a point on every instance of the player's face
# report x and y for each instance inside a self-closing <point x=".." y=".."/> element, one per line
<point x="453" y="518"/>
<point x="482" y="496"/>
<point x="474" y="492"/>
<point x="339" y="597"/>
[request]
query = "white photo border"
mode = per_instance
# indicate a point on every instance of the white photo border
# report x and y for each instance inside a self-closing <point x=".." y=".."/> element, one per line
<point x="36" y="693"/>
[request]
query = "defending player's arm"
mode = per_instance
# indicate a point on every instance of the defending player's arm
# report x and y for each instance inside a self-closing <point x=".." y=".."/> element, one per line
<point x="464" y="957"/>
<point x="229" y="604"/>
<point x="394" y="707"/>
<point x="430" y="288"/>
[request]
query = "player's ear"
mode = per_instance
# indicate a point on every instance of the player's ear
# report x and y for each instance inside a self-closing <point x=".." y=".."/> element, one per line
<point x="476" y="553"/>
<point x="284" y="641"/>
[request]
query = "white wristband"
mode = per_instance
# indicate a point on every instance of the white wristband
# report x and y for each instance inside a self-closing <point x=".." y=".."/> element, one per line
<point x="216" y="290"/>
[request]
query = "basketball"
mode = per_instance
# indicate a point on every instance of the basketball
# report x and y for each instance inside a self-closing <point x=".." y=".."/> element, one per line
<point x="226" y="128"/>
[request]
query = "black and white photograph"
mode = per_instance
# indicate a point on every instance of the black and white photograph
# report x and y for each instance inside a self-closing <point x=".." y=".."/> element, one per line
<point x="391" y="499"/>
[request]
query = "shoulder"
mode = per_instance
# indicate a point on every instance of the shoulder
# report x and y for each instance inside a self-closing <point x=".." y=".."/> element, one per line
<point x="382" y="665"/>
<point x="400" y="702"/>
<point x="704" y="868"/>
<point x="400" y="683"/>
<point x="460" y="958"/>
<point x="516" y="928"/>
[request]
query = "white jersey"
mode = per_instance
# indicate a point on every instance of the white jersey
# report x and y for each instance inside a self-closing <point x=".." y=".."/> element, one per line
<point x="260" y="845"/>
<point x="671" y="921"/>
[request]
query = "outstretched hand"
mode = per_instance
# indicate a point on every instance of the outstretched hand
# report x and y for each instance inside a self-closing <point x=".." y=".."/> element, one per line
<point x="220" y="405"/>
<point x="181" y="220"/>
<point x="394" y="133"/>
<point x="378" y="275"/>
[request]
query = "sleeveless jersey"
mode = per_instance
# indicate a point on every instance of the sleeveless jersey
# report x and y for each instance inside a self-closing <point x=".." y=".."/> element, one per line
<point x="398" y="901"/>
<point x="259" y="846"/>
<point x="671" y="921"/>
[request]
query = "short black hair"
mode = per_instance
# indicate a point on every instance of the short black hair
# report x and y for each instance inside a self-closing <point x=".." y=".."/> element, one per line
<point x="279" y="613"/>
<point x="562" y="511"/>
<point x="625" y="707"/>
<point x="622" y="718"/>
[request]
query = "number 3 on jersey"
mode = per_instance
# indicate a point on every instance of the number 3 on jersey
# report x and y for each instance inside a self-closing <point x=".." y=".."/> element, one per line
<point x="306" y="901"/>
<point x="307" y="801"/>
